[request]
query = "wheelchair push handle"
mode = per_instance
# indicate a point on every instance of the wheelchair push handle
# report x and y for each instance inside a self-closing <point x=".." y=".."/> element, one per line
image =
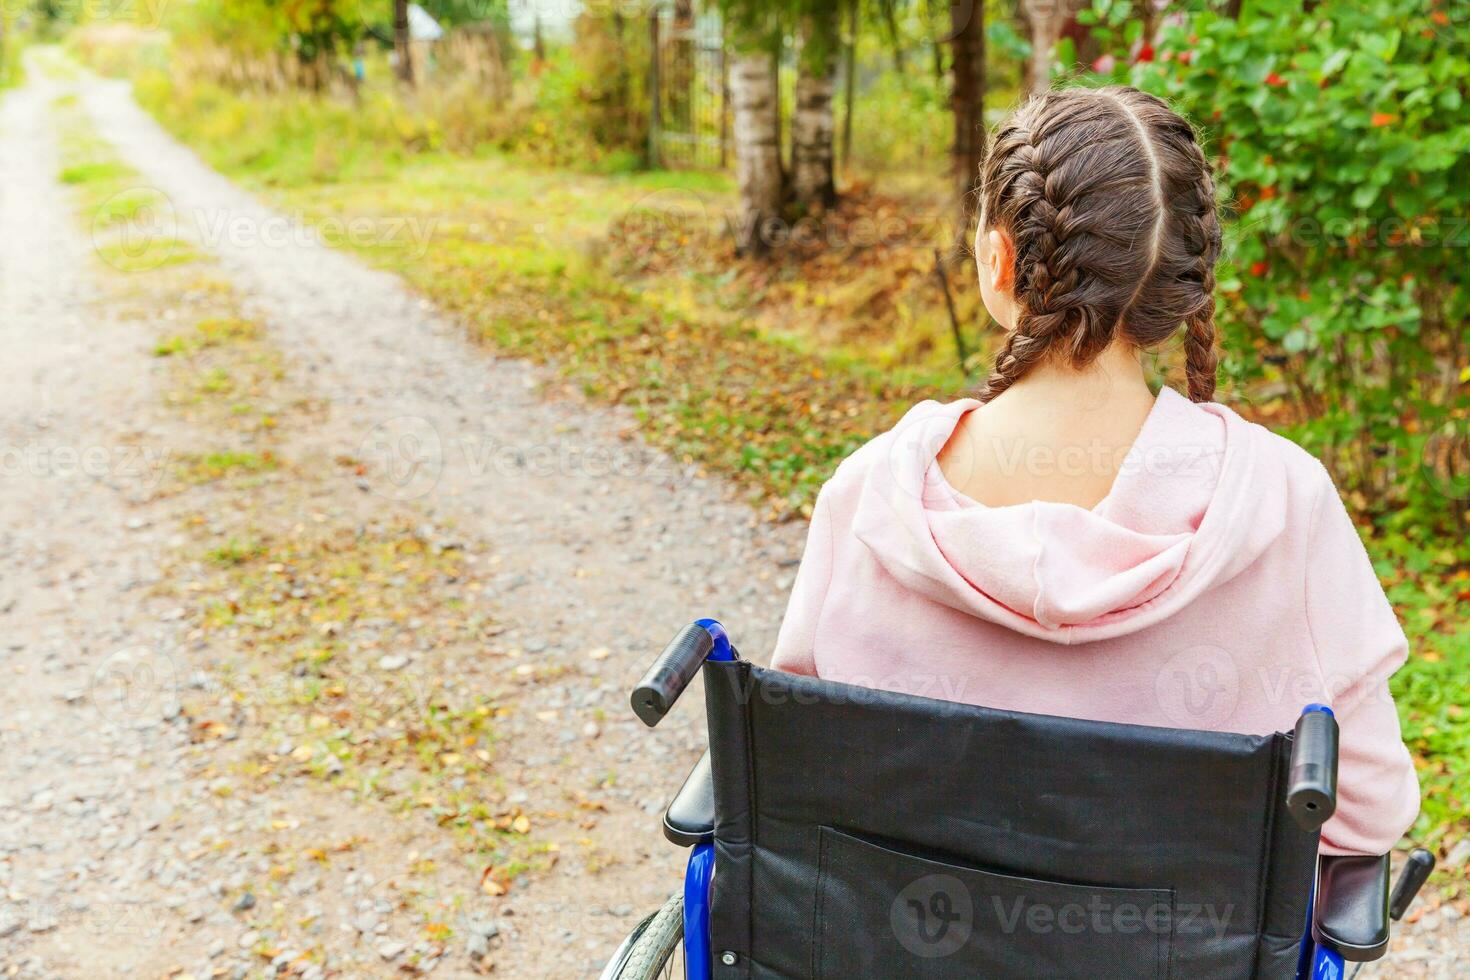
<point x="1416" y="871"/>
<point x="1311" y="794"/>
<point x="675" y="668"/>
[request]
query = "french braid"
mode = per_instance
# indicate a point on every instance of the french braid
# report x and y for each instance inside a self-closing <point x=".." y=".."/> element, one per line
<point x="1111" y="207"/>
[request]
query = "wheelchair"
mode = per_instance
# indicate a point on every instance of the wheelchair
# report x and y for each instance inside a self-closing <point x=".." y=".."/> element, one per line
<point x="843" y="833"/>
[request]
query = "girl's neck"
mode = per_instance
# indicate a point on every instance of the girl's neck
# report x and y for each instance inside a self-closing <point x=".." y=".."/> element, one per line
<point x="1115" y="379"/>
<point x="1058" y="434"/>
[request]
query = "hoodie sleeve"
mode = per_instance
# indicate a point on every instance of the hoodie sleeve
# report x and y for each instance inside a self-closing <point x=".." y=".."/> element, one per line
<point x="1359" y="645"/>
<point x="796" y="642"/>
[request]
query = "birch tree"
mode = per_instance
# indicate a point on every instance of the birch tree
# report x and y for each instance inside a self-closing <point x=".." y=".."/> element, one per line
<point x="754" y="41"/>
<point x="402" y="43"/>
<point x="1047" y="21"/>
<point x="813" y="124"/>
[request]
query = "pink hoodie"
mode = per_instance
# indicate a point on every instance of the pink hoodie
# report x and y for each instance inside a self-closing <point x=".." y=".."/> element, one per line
<point x="1220" y="585"/>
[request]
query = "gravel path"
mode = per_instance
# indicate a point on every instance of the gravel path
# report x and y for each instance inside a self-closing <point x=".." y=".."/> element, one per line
<point x="131" y="847"/>
<point x="601" y="547"/>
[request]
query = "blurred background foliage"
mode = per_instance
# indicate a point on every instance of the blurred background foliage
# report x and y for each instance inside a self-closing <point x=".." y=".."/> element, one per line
<point x="778" y="194"/>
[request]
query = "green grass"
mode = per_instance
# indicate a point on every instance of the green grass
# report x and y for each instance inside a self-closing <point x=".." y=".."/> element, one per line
<point x="127" y="206"/>
<point x="12" y="64"/>
<point x="242" y="467"/>
<point x="87" y="173"/>
<point x="146" y="256"/>
<point x="234" y="552"/>
<point x="131" y="224"/>
<point x="237" y="462"/>
<point x="209" y="332"/>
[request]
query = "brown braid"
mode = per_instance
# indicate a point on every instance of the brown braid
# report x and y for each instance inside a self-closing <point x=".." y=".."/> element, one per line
<point x="1200" y="359"/>
<point x="1111" y="208"/>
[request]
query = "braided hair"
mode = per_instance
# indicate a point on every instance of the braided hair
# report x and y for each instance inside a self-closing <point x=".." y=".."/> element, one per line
<point x="1111" y="207"/>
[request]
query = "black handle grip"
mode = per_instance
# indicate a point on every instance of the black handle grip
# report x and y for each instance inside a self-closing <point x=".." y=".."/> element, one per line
<point x="671" y="673"/>
<point x="1411" y="879"/>
<point x="1311" y="793"/>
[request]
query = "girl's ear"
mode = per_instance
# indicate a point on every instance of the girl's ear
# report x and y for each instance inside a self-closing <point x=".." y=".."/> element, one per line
<point x="995" y="251"/>
<point x="1000" y="259"/>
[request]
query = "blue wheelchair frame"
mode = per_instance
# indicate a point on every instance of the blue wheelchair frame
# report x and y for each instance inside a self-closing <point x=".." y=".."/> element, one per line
<point x="699" y="876"/>
<point x="1316" y="962"/>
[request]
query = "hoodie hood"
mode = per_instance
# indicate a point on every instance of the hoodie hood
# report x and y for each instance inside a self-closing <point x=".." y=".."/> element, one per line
<point x="1174" y="524"/>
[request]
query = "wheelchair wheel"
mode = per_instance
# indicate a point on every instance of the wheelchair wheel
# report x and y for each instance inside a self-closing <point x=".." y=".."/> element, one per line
<point x="650" y="951"/>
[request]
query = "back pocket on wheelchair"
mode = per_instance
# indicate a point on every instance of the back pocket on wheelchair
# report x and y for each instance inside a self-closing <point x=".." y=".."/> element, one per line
<point x="885" y="913"/>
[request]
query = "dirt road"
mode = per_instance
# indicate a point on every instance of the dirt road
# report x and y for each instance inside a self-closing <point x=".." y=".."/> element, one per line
<point x="137" y="842"/>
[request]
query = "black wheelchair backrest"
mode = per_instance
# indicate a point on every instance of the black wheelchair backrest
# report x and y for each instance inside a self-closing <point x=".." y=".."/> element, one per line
<point x="868" y="834"/>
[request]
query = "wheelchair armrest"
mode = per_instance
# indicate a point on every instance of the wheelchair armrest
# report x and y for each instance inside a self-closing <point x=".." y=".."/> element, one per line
<point x="690" y="819"/>
<point x="1351" y="911"/>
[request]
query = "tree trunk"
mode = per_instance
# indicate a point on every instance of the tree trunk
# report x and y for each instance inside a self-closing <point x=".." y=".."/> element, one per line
<point x="1048" y="20"/>
<point x="402" y="49"/>
<point x="849" y="79"/>
<point x="812" y="124"/>
<point x="895" y="42"/>
<point x="654" y="153"/>
<point x="757" y="145"/>
<point x="967" y="99"/>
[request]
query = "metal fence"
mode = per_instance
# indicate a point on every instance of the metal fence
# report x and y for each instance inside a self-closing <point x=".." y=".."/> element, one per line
<point x="689" y="85"/>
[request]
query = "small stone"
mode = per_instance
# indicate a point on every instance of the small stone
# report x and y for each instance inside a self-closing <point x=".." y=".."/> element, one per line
<point x="245" y="903"/>
<point x="389" y="949"/>
<point x="488" y="928"/>
<point x="248" y="939"/>
<point x="392" y="661"/>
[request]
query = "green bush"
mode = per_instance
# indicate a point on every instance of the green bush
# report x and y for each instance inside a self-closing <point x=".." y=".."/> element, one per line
<point x="901" y="122"/>
<point x="1341" y="135"/>
<point x="12" y="73"/>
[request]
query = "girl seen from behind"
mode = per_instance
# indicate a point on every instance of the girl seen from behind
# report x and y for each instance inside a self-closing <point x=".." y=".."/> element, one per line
<point x="1070" y="543"/>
